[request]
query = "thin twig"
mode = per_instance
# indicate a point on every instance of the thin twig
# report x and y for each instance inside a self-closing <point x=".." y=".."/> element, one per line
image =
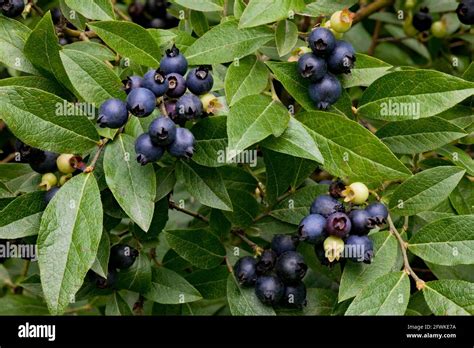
<point x="121" y="14"/>
<point x="37" y="8"/>
<point x="254" y="246"/>
<point x="10" y="157"/>
<point x="163" y="107"/>
<point x="91" y="166"/>
<point x="174" y="206"/>
<point x="366" y="11"/>
<point x="229" y="265"/>
<point x="420" y="284"/>
<point x="375" y="36"/>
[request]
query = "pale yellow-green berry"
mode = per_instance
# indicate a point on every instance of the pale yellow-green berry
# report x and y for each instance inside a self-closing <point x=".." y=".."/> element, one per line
<point x="48" y="180"/>
<point x="65" y="163"/>
<point x="356" y="193"/>
<point x="341" y="21"/>
<point x="333" y="248"/>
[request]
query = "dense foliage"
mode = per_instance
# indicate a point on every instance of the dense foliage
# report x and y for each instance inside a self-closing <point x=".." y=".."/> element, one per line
<point x="219" y="157"/>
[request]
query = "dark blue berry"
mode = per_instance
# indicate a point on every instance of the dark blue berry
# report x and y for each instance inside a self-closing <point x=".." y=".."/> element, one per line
<point x="122" y="256"/>
<point x="147" y="151"/>
<point x="132" y="82"/>
<point x="359" y="248"/>
<point x="338" y="224"/>
<point x="266" y="262"/>
<point x="325" y="92"/>
<point x="183" y="146"/>
<point x="336" y="188"/>
<point x="326" y="205"/>
<point x="282" y="243"/>
<point x="290" y="267"/>
<point x="269" y="289"/>
<point x="422" y="20"/>
<point x="294" y="296"/>
<point x="155" y="81"/>
<point x="176" y="85"/>
<point x="44" y="162"/>
<point x="48" y="196"/>
<point x="322" y="41"/>
<point x="311" y="228"/>
<point x="377" y="211"/>
<point x="189" y="107"/>
<point x="360" y="221"/>
<point x="162" y="131"/>
<point x="103" y="283"/>
<point x="245" y="271"/>
<point x="465" y="12"/>
<point x="312" y="67"/>
<point x="321" y="254"/>
<point x="113" y="113"/>
<point x="13" y="8"/>
<point x="141" y="102"/>
<point x="199" y="80"/>
<point x="173" y="62"/>
<point x="342" y="58"/>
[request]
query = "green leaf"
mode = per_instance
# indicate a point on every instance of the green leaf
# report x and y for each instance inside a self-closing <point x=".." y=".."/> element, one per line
<point x="448" y="241"/>
<point x="22" y="305"/>
<point x="201" y="5"/>
<point x="297" y="87"/>
<point x="133" y="185"/>
<point x="238" y="179"/>
<point x="459" y="272"/>
<point x="462" y="198"/>
<point x="200" y="247"/>
<point x="93" y="9"/>
<point x="260" y="12"/>
<point x="19" y="178"/>
<point x="460" y="115"/>
<point x="284" y="173"/>
<point x="37" y="82"/>
<point x="68" y="240"/>
<point x="164" y="37"/>
<point x="397" y="32"/>
<point x="367" y="69"/>
<point x="226" y="42"/>
<point x="101" y="262"/>
<point x="13" y="36"/>
<point x="296" y="206"/>
<point x="386" y="295"/>
<point x="211" y="283"/>
<point x="211" y="141"/>
<point x="243" y="301"/>
<point x="95" y="49"/>
<point x="412" y="94"/>
<point x="357" y="276"/>
<point x="245" y="208"/>
<point x="417" y="136"/>
<point x="165" y="181"/>
<point x="205" y="184"/>
<point x="72" y="16"/>
<point x="450" y="297"/>
<point x="326" y="7"/>
<point x="199" y="22"/>
<point x="425" y="190"/>
<point x="295" y="141"/>
<point x="458" y="157"/>
<point x="252" y="119"/>
<point x="286" y="37"/>
<point x="21" y="217"/>
<point x="22" y="107"/>
<point x="168" y="287"/>
<point x="138" y="277"/>
<point x="93" y="80"/>
<point x="43" y="39"/>
<point x="360" y="156"/>
<point x="130" y="40"/>
<point x="249" y="76"/>
<point x="116" y="305"/>
<point x="320" y="302"/>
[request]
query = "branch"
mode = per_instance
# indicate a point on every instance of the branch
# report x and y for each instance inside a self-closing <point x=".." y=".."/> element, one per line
<point x="91" y="166"/>
<point x="241" y="234"/>
<point x="420" y="284"/>
<point x="174" y="206"/>
<point x="371" y="8"/>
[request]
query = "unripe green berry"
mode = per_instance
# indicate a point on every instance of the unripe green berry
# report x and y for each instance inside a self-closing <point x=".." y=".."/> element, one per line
<point x="48" y="180"/>
<point x="210" y="103"/>
<point x="65" y="163"/>
<point x="337" y="34"/>
<point x="410" y="4"/>
<point x="439" y="29"/>
<point x="356" y="193"/>
<point x="64" y="178"/>
<point x="408" y="27"/>
<point x="333" y="248"/>
<point x="341" y="21"/>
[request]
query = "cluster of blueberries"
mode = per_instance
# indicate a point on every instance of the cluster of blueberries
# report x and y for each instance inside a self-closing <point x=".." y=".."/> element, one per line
<point x="48" y="163"/>
<point x="338" y="231"/>
<point x="122" y="256"/>
<point x="12" y="8"/>
<point x="329" y="57"/>
<point x="334" y="231"/>
<point x="167" y="82"/>
<point x="152" y="14"/>
<point x="277" y="274"/>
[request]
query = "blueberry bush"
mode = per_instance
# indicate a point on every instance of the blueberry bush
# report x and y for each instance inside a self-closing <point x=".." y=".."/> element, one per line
<point x="236" y="157"/>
